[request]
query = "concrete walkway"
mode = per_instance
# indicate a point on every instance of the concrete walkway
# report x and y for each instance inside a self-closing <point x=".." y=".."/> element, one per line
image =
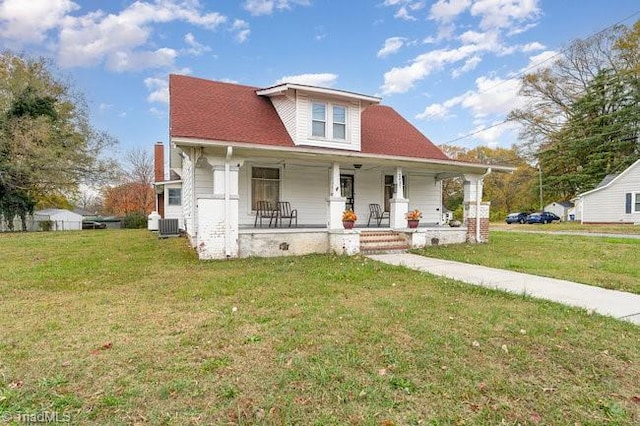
<point x="621" y="305"/>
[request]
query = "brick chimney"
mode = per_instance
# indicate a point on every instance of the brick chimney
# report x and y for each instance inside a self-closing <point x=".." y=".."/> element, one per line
<point x="158" y="162"/>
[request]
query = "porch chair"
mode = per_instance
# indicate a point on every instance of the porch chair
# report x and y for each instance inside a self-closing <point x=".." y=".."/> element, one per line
<point x="264" y="210"/>
<point x="376" y="213"/>
<point x="285" y="212"/>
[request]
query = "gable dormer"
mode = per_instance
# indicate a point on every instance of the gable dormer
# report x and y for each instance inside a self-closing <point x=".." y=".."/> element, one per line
<point x="320" y="117"/>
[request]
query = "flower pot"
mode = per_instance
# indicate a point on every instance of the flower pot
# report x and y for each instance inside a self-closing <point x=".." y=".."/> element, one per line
<point x="348" y="224"/>
<point x="413" y="223"/>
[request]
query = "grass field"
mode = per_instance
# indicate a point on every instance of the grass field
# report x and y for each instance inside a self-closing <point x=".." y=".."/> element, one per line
<point x="607" y="262"/>
<point x="118" y="327"/>
<point x="570" y="227"/>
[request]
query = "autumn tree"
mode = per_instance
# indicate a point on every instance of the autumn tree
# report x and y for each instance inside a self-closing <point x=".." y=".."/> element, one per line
<point x="47" y="144"/>
<point x="507" y="191"/>
<point x="134" y="192"/>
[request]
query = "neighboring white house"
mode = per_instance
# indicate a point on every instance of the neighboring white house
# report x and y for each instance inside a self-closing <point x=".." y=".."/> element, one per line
<point x="234" y="148"/>
<point x="61" y="219"/>
<point x="615" y="200"/>
<point x="560" y="209"/>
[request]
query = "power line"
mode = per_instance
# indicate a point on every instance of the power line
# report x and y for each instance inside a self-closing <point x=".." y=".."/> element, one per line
<point x="523" y="72"/>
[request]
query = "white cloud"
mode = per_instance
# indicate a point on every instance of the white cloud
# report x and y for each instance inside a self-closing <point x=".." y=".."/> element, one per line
<point x="445" y="11"/>
<point x="403" y="13"/>
<point x="530" y="47"/>
<point x="491" y="97"/>
<point x="491" y="132"/>
<point x="159" y="89"/>
<point x="266" y="7"/>
<point x="402" y="79"/>
<point x="542" y="60"/>
<point x="241" y="29"/>
<point x="469" y="64"/>
<point x="321" y="80"/>
<point x="122" y="40"/>
<point x="391" y="45"/>
<point x="25" y="22"/>
<point x="195" y="48"/>
<point x="502" y="13"/>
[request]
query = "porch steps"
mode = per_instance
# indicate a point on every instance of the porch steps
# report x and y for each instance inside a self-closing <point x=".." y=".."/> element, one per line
<point x="376" y="242"/>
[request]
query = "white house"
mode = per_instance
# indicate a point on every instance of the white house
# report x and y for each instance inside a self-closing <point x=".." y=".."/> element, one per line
<point x="615" y="200"/>
<point x="235" y="149"/>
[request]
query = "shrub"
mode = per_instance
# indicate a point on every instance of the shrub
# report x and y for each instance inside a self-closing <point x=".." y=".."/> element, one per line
<point x="135" y="220"/>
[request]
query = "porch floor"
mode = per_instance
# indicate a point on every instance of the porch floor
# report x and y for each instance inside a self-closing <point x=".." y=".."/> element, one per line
<point x="323" y="227"/>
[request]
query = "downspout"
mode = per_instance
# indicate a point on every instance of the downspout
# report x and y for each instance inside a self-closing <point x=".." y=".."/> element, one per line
<point x="478" y="200"/>
<point x="227" y="224"/>
<point x="194" y="198"/>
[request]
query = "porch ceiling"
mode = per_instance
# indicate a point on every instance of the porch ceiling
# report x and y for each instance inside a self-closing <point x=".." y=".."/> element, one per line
<point x="329" y="156"/>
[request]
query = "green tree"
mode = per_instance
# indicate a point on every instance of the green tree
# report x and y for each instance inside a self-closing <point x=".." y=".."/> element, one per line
<point x="582" y="121"/>
<point x="47" y="143"/>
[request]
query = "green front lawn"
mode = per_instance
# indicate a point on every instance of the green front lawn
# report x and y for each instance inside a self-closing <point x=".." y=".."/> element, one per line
<point x="600" y="261"/>
<point x="118" y="327"/>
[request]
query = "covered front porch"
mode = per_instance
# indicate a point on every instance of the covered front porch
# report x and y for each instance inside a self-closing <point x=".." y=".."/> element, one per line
<point x="228" y="183"/>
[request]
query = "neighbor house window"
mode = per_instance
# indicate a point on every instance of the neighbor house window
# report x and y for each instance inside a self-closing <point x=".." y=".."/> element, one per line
<point x="319" y="120"/>
<point x="636" y="203"/>
<point x="339" y="122"/>
<point x="265" y="185"/>
<point x="175" y="196"/>
<point x="328" y="121"/>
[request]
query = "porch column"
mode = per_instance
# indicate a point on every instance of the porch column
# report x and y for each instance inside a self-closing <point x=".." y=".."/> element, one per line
<point x="399" y="205"/>
<point x="218" y="215"/>
<point x="476" y="213"/>
<point x="336" y="202"/>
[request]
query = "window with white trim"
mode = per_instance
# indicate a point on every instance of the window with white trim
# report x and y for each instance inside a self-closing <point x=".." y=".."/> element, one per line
<point x="319" y="120"/>
<point x="636" y="202"/>
<point x="328" y="121"/>
<point x="174" y="196"/>
<point x="265" y="185"/>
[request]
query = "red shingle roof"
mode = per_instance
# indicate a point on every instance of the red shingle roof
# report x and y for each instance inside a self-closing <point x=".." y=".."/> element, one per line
<point x="384" y="131"/>
<point x="213" y="110"/>
<point x="210" y="110"/>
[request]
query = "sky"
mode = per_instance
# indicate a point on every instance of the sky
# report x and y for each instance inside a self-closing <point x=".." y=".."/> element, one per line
<point x="451" y="67"/>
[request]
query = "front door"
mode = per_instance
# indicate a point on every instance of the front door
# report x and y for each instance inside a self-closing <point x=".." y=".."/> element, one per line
<point x="346" y="190"/>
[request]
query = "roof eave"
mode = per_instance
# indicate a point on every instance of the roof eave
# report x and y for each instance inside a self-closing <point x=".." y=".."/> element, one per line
<point x="281" y="88"/>
<point x="460" y="166"/>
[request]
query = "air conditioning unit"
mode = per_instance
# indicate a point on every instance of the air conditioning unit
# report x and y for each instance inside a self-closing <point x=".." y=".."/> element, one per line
<point x="168" y="228"/>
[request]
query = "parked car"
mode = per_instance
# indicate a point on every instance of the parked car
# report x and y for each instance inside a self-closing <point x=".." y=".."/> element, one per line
<point x="92" y="224"/>
<point x="519" y="217"/>
<point x="544" y="217"/>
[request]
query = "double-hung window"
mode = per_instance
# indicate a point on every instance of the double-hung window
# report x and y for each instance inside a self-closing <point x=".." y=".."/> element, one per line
<point x="339" y="122"/>
<point x="175" y="196"/>
<point x="636" y="202"/>
<point x="328" y="121"/>
<point x="319" y="120"/>
<point x="265" y="185"/>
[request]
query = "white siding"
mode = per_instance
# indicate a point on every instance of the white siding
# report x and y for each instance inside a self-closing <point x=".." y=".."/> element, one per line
<point x="305" y="187"/>
<point x="204" y="181"/>
<point x="286" y="108"/>
<point x="303" y="123"/>
<point x="173" y="212"/>
<point x="424" y="195"/>
<point x="608" y="204"/>
<point x="187" y="195"/>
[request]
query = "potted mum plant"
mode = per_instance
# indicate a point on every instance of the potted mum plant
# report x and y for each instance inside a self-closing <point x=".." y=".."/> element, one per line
<point x="413" y="218"/>
<point x="348" y="219"/>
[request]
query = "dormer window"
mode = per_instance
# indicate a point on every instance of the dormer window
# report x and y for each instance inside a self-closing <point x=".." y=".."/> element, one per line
<point x="328" y="121"/>
<point x="319" y="120"/>
<point x="339" y="122"/>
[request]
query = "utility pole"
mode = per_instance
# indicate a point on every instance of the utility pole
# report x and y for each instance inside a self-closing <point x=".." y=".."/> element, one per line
<point x="540" y="175"/>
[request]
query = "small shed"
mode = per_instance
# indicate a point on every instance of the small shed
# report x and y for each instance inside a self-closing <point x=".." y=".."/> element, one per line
<point x="560" y="208"/>
<point x="60" y="219"/>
